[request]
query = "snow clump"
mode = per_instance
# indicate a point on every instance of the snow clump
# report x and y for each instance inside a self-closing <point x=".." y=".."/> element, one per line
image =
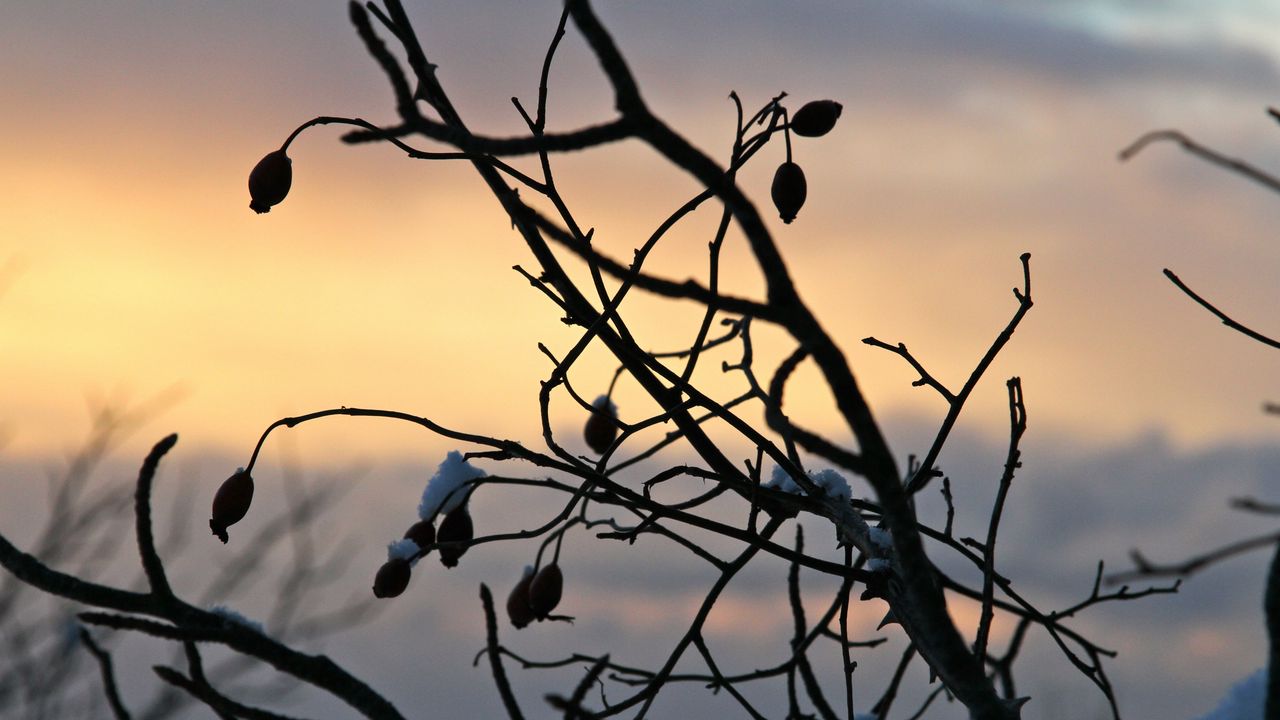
<point x="782" y="482"/>
<point x="444" y="492"/>
<point x="880" y="538"/>
<point x="403" y="549"/>
<point x="832" y="483"/>
<point x="829" y="481"/>
<point x="878" y="565"/>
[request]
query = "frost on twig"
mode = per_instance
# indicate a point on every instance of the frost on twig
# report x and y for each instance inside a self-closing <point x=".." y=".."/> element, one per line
<point x="232" y="616"/>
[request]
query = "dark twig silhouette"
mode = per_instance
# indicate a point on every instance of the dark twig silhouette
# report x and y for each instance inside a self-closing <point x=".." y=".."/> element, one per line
<point x="1219" y="314"/>
<point x="881" y="543"/>
<point x="1144" y="568"/>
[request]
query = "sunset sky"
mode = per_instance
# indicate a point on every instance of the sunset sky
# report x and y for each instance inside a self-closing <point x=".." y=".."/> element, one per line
<point x="132" y="270"/>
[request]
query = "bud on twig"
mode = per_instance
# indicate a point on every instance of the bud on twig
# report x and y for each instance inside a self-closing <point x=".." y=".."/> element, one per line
<point x="392" y="578"/>
<point x="422" y="533"/>
<point x="231" y="503"/>
<point x="269" y="181"/>
<point x="816" y="119"/>
<point x="456" y="527"/>
<point x="602" y="426"/>
<point x="518" y="610"/>
<point x="545" y="590"/>
<point x="789" y="190"/>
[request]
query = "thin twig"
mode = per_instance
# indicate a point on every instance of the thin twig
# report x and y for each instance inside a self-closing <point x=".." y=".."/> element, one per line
<point x="1212" y="156"/>
<point x="1219" y="314"/>
<point x="1144" y="568"/>
<point x="1017" y="427"/>
<point x="495" y="658"/>
<point x="107" y="670"/>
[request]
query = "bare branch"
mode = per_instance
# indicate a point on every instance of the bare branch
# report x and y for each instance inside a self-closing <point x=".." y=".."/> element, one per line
<point x="1017" y="426"/>
<point x="495" y="658"/>
<point x="1219" y="314"/>
<point x="107" y="670"/>
<point x="142" y="510"/>
<point x="1144" y="568"/>
<point x="1212" y="156"/>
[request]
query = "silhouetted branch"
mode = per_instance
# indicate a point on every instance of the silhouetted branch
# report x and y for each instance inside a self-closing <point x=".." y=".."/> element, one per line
<point x="1212" y="156"/>
<point x="1018" y="426"/>
<point x="189" y="623"/>
<point x="142" y="511"/>
<point x="798" y="645"/>
<point x="956" y="402"/>
<point x="1271" y="610"/>
<point x="1144" y="568"/>
<point x="495" y="658"/>
<point x="572" y="706"/>
<point x="1255" y="505"/>
<point x="885" y="703"/>
<point x="650" y="691"/>
<point x="220" y="704"/>
<point x="889" y="558"/>
<point x="925" y="378"/>
<point x="372" y="132"/>
<point x="687" y="289"/>
<point x="1219" y="314"/>
<point x="847" y="665"/>
<point x="108" y="673"/>
<point x="1124" y="593"/>
<point x="719" y="681"/>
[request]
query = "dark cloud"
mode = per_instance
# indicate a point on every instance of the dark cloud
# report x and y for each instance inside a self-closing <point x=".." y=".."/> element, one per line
<point x="922" y="49"/>
<point x="1071" y="505"/>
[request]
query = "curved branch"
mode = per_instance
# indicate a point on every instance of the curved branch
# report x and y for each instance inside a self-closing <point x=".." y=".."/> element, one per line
<point x="1219" y="314"/>
<point x="1144" y="568"/>
<point x="1239" y="167"/>
<point x="940" y="641"/>
<point x="580" y="139"/>
<point x="107" y="669"/>
<point x="495" y="657"/>
<point x="151" y="563"/>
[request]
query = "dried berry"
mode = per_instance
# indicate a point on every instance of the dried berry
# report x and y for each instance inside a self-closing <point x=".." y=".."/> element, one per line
<point x="456" y="527"/>
<point x="422" y="533"/>
<point x="518" y="610"/>
<point x="392" y="578"/>
<point x="545" y="590"/>
<point x="816" y="119"/>
<point x="231" y="503"/>
<point x="269" y="181"/>
<point x="789" y="190"/>
<point x="602" y="426"/>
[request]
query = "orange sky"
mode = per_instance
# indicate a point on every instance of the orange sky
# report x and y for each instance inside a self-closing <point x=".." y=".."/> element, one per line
<point x="386" y="282"/>
<point x="131" y="266"/>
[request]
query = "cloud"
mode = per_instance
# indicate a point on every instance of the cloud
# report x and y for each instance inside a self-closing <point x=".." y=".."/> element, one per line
<point x="925" y="49"/>
<point x="1071" y="504"/>
<point x="973" y="131"/>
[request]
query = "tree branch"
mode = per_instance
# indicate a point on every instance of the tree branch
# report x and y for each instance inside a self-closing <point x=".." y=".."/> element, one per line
<point x="1219" y="314"/>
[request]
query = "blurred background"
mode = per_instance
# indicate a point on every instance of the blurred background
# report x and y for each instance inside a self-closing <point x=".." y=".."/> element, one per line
<point x="139" y="296"/>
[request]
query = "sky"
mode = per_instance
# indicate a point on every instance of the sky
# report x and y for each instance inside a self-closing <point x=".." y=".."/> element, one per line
<point x="133" y="274"/>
